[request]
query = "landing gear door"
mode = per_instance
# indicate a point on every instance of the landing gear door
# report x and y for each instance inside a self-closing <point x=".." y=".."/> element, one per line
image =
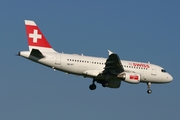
<point x="58" y="60"/>
<point x="153" y="70"/>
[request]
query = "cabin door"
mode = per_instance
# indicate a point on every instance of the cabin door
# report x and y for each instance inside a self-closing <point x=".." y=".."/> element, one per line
<point x="153" y="70"/>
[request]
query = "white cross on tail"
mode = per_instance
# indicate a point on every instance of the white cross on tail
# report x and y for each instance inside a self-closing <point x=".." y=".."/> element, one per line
<point x="35" y="36"/>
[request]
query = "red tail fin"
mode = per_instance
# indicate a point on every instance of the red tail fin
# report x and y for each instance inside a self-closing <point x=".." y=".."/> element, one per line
<point x="35" y="37"/>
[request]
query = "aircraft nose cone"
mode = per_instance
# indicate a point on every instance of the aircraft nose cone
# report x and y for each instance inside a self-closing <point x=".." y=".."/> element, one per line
<point x="170" y="78"/>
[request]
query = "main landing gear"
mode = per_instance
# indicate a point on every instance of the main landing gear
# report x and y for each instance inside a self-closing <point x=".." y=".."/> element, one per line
<point x="92" y="86"/>
<point x="103" y="83"/>
<point x="149" y="91"/>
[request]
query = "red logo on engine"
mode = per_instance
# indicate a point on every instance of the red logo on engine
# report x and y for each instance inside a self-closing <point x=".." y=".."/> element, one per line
<point x="134" y="77"/>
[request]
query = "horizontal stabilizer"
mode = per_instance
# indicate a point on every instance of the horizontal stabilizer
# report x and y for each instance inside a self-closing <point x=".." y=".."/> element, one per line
<point x="37" y="53"/>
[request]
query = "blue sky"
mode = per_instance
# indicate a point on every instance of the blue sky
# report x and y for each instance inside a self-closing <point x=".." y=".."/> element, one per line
<point x="143" y="30"/>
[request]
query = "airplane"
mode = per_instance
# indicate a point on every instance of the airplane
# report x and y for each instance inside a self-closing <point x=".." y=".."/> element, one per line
<point x="109" y="72"/>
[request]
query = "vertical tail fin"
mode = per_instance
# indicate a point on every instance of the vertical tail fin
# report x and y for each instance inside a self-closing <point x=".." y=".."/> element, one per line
<point x="36" y="39"/>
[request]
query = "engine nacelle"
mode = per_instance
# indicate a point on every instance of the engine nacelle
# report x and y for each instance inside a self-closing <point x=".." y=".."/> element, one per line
<point x="133" y="78"/>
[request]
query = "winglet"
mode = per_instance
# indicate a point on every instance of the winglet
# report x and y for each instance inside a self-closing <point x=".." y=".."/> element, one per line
<point x="110" y="52"/>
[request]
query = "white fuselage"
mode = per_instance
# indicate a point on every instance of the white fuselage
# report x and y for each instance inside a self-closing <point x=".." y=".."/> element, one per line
<point x="81" y="65"/>
<point x="107" y="72"/>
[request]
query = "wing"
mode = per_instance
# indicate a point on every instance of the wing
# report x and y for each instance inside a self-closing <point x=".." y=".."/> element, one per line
<point x="113" y="64"/>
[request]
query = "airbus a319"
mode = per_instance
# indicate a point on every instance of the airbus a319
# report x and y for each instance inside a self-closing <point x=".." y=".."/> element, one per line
<point x="109" y="72"/>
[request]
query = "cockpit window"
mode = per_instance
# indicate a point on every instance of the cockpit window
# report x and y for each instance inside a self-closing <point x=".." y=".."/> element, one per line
<point x="163" y="70"/>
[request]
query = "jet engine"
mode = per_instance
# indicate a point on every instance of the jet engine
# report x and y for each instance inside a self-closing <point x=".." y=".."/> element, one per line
<point x="133" y="78"/>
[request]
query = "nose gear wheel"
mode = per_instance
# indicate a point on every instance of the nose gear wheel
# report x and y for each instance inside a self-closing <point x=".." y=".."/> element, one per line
<point x="149" y="91"/>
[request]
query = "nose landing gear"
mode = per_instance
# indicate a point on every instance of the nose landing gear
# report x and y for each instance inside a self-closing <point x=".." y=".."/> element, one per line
<point x="149" y="91"/>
